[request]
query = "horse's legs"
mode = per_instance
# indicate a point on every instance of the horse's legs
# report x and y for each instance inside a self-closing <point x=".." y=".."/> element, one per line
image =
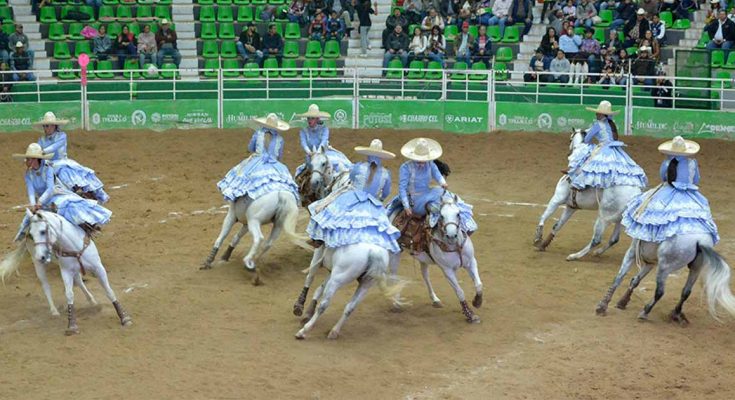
<point x="614" y="238"/>
<point x="475" y="275"/>
<point x="624" y="268"/>
<point x="235" y="240"/>
<point x="598" y="230"/>
<point x="362" y="289"/>
<point x="331" y="286"/>
<point x="80" y="283"/>
<point x="623" y="302"/>
<point x="312" y="305"/>
<point x="394" y="260"/>
<point x="275" y="233"/>
<point x="677" y="315"/>
<point x="298" y="307"/>
<point x="560" y="195"/>
<point x="41" y="274"/>
<point x="663" y="273"/>
<point x="125" y="319"/>
<point x="435" y="301"/>
<point x="257" y="235"/>
<point x="227" y="224"/>
<point x="452" y="278"/>
<point x="67" y="275"/>
<point x="568" y="212"/>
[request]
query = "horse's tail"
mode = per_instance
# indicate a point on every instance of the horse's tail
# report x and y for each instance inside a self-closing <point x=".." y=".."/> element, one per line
<point x="377" y="268"/>
<point x="11" y="262"/>
<point x="716" y="281"/>
<point x="288" y="212"/>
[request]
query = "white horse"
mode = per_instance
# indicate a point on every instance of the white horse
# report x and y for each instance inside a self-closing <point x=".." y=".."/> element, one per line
<point x="610" y="204"/>
<point x="50" y="235"/>
<point x="366" y="263"/>
<point x="279" y="208"/>
<point x="693" y="250"/>
<point x="450" y="249"/>
<point x="326" y="174"/>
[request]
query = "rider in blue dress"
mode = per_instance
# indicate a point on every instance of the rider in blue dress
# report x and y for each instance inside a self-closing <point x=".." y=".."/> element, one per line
<point x="71" y="174"/>
<point x="315" y="136"/>
<point x="606" y="164"/>
<point x="676" y="206"/>
<point x="45" y="194"/>
<point x="356" y="213"/>
<point x="262" y="172"/>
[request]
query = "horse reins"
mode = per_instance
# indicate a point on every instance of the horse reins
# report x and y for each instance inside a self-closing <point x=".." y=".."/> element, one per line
<point x="59" y="252"/>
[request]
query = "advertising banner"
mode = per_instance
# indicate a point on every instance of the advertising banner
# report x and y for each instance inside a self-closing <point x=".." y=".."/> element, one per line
<point x="17" y="117"/>
<point x="153" y="114"/>
<point x="452" y="116"/>
<point x="238" y="113"/>
<point x="544" y="117"/>
<point x="665" y="122"/>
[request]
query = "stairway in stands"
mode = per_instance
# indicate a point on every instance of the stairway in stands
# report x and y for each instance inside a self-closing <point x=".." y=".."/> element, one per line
<point x="374" y="60"/>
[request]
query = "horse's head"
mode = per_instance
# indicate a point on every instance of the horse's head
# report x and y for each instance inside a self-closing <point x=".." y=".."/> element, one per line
<point x="42" y="235"/>
<point x="575" y="139"/>
<point x="321" y="169"/>
<point x="448" y="212"/>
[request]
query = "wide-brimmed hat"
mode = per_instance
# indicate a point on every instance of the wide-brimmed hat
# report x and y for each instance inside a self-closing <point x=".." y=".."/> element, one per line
<point x="375" y="149"/>
<point x="603" y="108"/>
<point x="679" y="147"/>
<point x="314" y="112"/>
<point x="50" y="119"/>
<point x="34" y="150"/>
<point x="272" y="121"/>
<point x="422" y="149"/>
<point x="641" y="11"/>
<point x="19" y="44"/>
<point x="164" y="21"/>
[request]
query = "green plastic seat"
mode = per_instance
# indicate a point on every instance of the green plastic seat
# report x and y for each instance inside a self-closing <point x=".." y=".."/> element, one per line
<point x="681" y="23"/>
<point x="331" y="49"/>
<point x="206" y="14"/>
<point x="48" y="15"/>
<point x="579" y="30"/>
<point x="329" y="69"/>
<point x="258" y="12"/>
<point x="145" y="2"/>
<point x="205" y="2"/>
<point x="293" y="31"/>
<point x="607" y="18"/>
<point x="313" y="49"/>
<point x="110" y="2"/>
<point x="56" y="31"/>
<point x="310" y="68"/>
<point x="104" y="70"/>
<point x="210" y="49"/>
<point x="241" y="2"/>
<point x="169" y="71"/>
<point x="124" y="13"/>
<point x="667" y="17"/>
<point x="411" y="28"/>
<point x="730" y="63"/>
<point x="493" y="32"/>
<point x="147" y="75"/>
<point x="703" y="40"/>
<point x="415" y="70"/>
<point x="114" y="29"/>
<point x="459" y="76"/>
<point x="226" y="30"/>
<point x="717" y="58"/>
<point x="434" y="70"/>
<point x="450" y="32"/>
<point x="144" y="13"/>
<point x="163" y="12"/>
<point x="599" y="35"/>
<point x="8" y="29"/>
<point x="209" y="31"/>
<point x="258" y="2"/>
<point x="228" y="50"/>
<point x="134" y="29"/>
<point x="64" y="11"/>
<point x="130" y="69"/>
<point x="107" y="13"/>
<point x="251" y="70"/>
<point x="474" y="30"/>
<point x="233" y="66"/>
<point x="65" y="72"/>
<point x="291" y="49"/>
<point x="61" y="51"/>
<point x="479" y="66"/>
<point x="632" y="50"/>
<point x="512" y="35"/>
<point x="6" y="14"/>
<point x="165" y="2"/>
<point x="210" y="67"/>
<point x="504" y="54"/>
<point x="501" y="71"/>
<point x="395" y="69"/>
<point x="224" y="14"/>
<point x="276" y="2"/>
<point x="270" y="67"/>
<point x="245" y="14"/>
<point x="75" y="31"/>
<point x="288" y="68"/>
<point x="224" y="2"/>
<point x="89" y="10"/>
<point x="83" y="47"/>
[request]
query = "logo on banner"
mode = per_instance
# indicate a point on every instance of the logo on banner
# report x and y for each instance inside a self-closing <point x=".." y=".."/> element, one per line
<point x="544" y="121"/>
<point x="561" y="121"/>
<point x="96" y="119"/>
<point x="461" y="119"/>
<point x="418" y="118"/>
<point x="340" y="115"/>
<point x="155" y="117"/>
<point x="378" y="118"/>
<point x="138" y="117"/>
<point x="502" y="119"/>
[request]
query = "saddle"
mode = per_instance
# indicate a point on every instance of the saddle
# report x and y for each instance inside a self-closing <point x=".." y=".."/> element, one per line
<point x="303" y="182"/>
<point x="415" y="232"/>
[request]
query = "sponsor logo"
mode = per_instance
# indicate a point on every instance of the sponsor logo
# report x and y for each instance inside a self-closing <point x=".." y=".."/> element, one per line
<point x="652" y="125"/>
<point x="715" y="129"/>
<point x="502" y="119"/>
<point x="462" y="119"/>
<point x="340" y="116"/>
<point x="419" y="118"/>
<point x="378" y="119"/>
<point x="239" y="119"/>
<point x="15" y="121"/>
<point x="138" y="118"/>
<point x="155" y="117"/>
<point x="544" y="121"/>
<point x="197" y="118"/>
<point x="96" y="118"/>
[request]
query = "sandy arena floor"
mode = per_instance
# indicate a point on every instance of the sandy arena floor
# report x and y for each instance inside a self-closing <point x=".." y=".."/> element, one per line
<point x="212" y="335"/>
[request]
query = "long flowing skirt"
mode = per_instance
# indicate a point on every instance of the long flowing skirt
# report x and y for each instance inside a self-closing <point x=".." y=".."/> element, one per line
<point x="255" y="177"/>
<point x="604" y="167"/>
<point x="76" y="176"/>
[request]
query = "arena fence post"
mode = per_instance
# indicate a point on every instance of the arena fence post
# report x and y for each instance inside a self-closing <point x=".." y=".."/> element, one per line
<point x="628" y="106"/>
<point x="84" y="108"/>
<point x="491" y="101"/>
<point x="355" y="99"/>
<point x="220" y="99"/>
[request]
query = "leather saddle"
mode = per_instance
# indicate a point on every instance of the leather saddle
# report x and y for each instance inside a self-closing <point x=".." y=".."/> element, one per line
<point x="415" y="232"/>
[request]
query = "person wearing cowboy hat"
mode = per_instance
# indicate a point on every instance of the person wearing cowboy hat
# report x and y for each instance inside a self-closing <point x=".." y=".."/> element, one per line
<point x="44" y="193"/>
<point x="21" y="62"/>
<point x="355" y="214"/>
<point x="262" y="172"/>
<point x="606" y="164"/>
<point x="676" y="206"/>
<point x="71" y="174"/>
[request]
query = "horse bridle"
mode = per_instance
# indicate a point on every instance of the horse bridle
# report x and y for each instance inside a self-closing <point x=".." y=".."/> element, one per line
<point x="446" y="247"/>
<point x="54" y="247"/>
<point x="327" y="174"/>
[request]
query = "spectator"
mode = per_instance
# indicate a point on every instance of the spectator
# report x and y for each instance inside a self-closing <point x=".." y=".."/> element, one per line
<point x="731" y="16"/>
<point x="483" y="47"/>
<point x="273" y="44"/>
<point x="296" y="12"/>
<point x="349" y="10"/>
<point x="19" y="36"/>
<point x="613" y="43"/>
<point x="722" y="32"/>
<point x="313" y="8"/>
<point x="557" y="22"/>
<point x="335" y="27"/>
<point x="5" y="78"/>
<point x="364" y="9"/>
<point x="465" y="13"/>
<point x="659" y="30"/>
<point x="126" y="46"/>
<point x="643" y="68"/>
<point x="623" y="58"/>
<point x="249" y="44"/>
<point x="390" y="24"/>
<point x="483" y="10"/>
<point x="570" y="11"/>
<point x="605" y="5"/>
<point x="586" y="13"/>
<point x="414" y="9"/>
<point x="548" y="5"/>
<point x="650" y="41"/>
<point x="449" y="10"/>
<point x="432" y="20"/>
<point x="317" y="28"/>
<point x="418" y="45"/>
<point x="21" y="61"/>
<point x="635" y="28"/>
<point x="537" y="67"/>
<point x="609" y="67"/>
<point x="397" y="47"/>
<point x="147" y="46"/>
<point x="437" y="49"/>
<point x="166" y="40"/>
<point x="522" y="12"/>
<point x="650" y="6"/>
<point x="662" y="92"/>
<point x="625" y="12"/>
<point x="682" y="10"/>
<point x="668" y="5"/>
<point x="713" y="12"/>
<point x="463" y="44"/>
<point x="102" y="44"/>
<point x="549" y="43"/>
<point x="590" y="50"/>
<point x="501" y="13"/>
<point x="4" y="46"/>
<point x="570" y="42"/>
<point x="560" y="68"/>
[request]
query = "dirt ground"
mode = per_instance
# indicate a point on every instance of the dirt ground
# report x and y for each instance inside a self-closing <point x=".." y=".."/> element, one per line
<point x="212" y="335"/>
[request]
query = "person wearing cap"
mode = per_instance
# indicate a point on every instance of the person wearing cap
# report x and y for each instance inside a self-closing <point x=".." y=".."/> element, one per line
<point x="20" y="63"/>
<point x="43" y="193"/>
<point x="624" y="12"/>
<point x="713" y="12"/>
<point x="19" y="36"/>
<point x="262" y="172"/>
<point x="355" y="214"/>
<point x="70" y="173"/>
<point x="606" y="164"/>
<point x="722" y="32"/>
<point x="675" y="207"/>
<point x="166" y="41"/>
<point x="249" y="44"/>
<point x="635" y="28"/>
<point x="147" y="46"/>
<point x="463" y="44"/>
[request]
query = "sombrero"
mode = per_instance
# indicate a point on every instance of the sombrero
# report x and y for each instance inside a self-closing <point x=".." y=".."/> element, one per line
<point x="272" y="121"/>
<point x="314" y="112"/>
<point x="422" y="149"/>
<point x="679" y="147"/>
<point x="603" y="108"/>
<point x="375" y="150"/>
<point x="34" y="150"/>
<point x="50" y="119"/>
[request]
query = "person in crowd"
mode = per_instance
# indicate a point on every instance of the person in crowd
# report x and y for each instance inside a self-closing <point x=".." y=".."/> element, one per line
<point x="249" y="44"/>
<point x="590" y="51"/>
<point x="721" y="32"/>
<point x="437" y="46"/>
<point x="19" y="36"/>
<point x="613" y="43"/>
<point x="364" y="9"/>
<point x="414" y="10"/>
<point x="662" y="92"/>
<point x="273" y="44"/>
<point x="102" y="44"/>
<point x="624" y="13"/>
<point x="464" y="43"/>
<point x="501" y="15"/>
<point x="431" y="20"/>
<point x="4" y="45"/>
<point x="548" y="6"/>
<point x="558" y="21"/>
<point x="317" y="28"/>
<point x="650" y="6"/>
<point x="560" y="68"/>
<point x="418" y="46"/>
<point x="659" y="30"/>
<point x="635" y="28"/>
<point x="20" y="64"/>
<point x="624" y="66"/>
<point x="390" y="24"/>
<point x="549" y="43"/>
<point x="397" y="47"/>
<point x="126" y="46"/>
<point x="608" y="69"/>
<point x="650" y="41"/>
<point x="570" y="10"/>
<point x="536" y="67"/>
<point x="147" y="46"/>
<point x="522" y="12"/>
<point x="643" y="68"/>
<point x="586" y="13"/>
<point x="335" y="27"/>
<point x="483" y="47"/>
<point x="166" y="41"/>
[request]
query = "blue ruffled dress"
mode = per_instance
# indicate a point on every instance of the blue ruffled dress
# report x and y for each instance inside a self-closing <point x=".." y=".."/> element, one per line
<point x="673" y="209"/>
<point x="356" y="213"/>
<point x="71" y="174"/>
<point x="262" y="172"/>
<point x="606" y="164"/>
<point x="314" y="138"/>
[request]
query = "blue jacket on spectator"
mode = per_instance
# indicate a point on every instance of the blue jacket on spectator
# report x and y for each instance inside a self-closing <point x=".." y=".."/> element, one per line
<point x="532" y="63"/>
<point x="570" y="44"/>
<point x="272" y="42"/>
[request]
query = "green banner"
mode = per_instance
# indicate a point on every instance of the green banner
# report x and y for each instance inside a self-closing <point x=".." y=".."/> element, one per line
<point x="18" y="117"/>
<point x="451" y="116"/>
<point x="153" y="114"/>
<point x="543" y="117"/>
<point x="665" y="122"/>
<point x="238" y="113"/>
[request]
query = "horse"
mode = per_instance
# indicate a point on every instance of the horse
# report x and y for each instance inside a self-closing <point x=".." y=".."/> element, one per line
<point x="364" y="262"/>
<point x="50" y="234"/>
<point x="451" y="249"/>
<point x="320" y="173"/>
<point x="609" y="203"/>
<point x="693" y="250"/>
<point x="278" y="207"/>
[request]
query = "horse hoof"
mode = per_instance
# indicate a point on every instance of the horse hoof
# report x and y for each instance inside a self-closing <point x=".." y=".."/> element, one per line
<point x="643" y="316"/>
<point x="477" y="301"/>
<point x="539" y="247"/>
<point x="205" y="266"/>
<point x="437" y="304"/>
<point x="680" y="319"/>
<point x="298" y="309"/>
<point x="127" y="321"/>
<point x="333" y="335"/>
<point x="72" y="331"/>
<point x="622" y="305"/>
<point x="597" y="253"/>
<point x="572" y="257"/>
<point x="300" y="335"/>
<point x="55" y="313"/>
<point x="256" y="281"/>
<point x="228" y="253"/>
<point x="474" y="319"/>
<point x="601" y="311"/>
<point x="396" y="308"/>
